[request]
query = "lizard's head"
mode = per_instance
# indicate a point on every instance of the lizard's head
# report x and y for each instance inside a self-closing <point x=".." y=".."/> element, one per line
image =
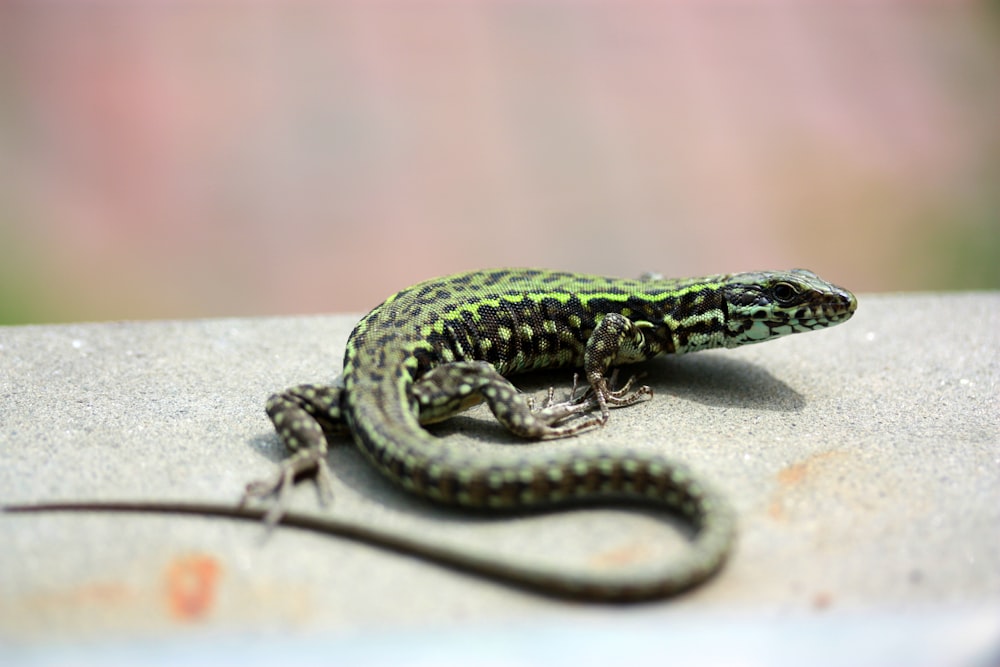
<point x="762" y="306"/>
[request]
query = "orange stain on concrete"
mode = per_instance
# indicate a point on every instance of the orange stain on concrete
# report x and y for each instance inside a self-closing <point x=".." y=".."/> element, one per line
<point x="793" y="476"/>
<point x="192" y="586"/>
<point x="85" y="596"/>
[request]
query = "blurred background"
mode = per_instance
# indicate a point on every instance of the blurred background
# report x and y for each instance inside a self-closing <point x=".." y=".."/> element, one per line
<point x="213" y="158"/>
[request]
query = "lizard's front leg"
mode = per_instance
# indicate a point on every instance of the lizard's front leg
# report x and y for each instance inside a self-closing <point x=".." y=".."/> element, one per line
<point x="615" y="339"/>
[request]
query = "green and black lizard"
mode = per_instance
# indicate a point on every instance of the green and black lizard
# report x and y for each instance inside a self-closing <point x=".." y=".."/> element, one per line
<point x="443" y="345"/>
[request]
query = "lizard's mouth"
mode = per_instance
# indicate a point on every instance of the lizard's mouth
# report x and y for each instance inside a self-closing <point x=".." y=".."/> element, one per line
<point x="834" y="310"/>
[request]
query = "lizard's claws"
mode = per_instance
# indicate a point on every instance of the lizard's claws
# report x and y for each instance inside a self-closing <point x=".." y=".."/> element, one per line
<point x="305" y="462"/>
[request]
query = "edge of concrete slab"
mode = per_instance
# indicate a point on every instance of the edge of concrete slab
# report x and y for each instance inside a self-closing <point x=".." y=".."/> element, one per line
<point x="862" y="460"/>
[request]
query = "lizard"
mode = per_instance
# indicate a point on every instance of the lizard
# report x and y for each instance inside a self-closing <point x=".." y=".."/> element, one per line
<point x="443" y="345"/>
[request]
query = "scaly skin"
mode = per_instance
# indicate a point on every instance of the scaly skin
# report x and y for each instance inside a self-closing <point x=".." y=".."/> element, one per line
<point x="437" y="347"/>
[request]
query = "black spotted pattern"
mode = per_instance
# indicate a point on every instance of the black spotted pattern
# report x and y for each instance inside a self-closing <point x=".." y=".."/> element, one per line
<point x="402" y="358"/>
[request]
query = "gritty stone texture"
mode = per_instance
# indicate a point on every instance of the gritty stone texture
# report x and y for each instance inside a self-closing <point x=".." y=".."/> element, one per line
<point x="863" y="461"/>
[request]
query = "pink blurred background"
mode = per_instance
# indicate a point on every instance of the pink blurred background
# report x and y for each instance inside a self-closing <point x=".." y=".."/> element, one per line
<point x="191" y="159"/>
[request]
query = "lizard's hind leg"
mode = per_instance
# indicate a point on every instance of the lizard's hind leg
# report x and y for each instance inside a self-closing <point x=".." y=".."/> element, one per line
<point x="304" y="417"/>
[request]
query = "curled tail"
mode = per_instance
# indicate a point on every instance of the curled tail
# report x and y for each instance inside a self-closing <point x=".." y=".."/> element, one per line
<point x="386" y="423"/>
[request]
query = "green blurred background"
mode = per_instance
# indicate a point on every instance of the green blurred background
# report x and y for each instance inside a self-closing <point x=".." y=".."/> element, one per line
<point x="193" y="159"/>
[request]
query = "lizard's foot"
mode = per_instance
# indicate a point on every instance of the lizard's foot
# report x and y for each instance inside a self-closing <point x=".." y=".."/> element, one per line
<point x="603" y="395"/>
<point x="303" y="463"/>
<point x="550" y="397"/>
<point x="551" y="413"/>
<point x="623" y="395"/>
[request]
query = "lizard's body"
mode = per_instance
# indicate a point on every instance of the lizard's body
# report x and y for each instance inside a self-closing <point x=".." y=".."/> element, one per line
<point x="440" y="346"/>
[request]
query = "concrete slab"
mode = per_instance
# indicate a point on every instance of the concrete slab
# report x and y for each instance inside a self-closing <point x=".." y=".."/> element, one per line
<point x="863" y="461"/>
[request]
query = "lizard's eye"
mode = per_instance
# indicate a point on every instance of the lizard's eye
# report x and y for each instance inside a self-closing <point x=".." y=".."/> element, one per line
<point x="784" y="293"/>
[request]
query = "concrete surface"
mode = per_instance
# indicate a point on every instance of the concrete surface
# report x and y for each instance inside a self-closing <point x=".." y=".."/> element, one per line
<point x="864" y="463"/>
